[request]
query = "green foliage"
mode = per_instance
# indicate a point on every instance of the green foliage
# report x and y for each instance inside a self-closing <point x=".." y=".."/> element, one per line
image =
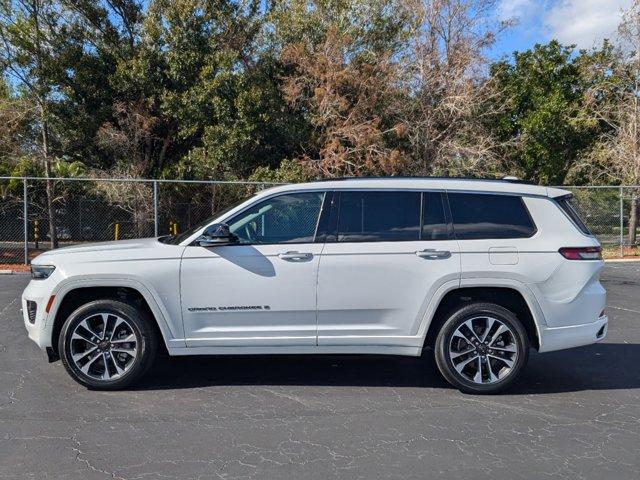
<point x="222" y="89"/>
<point x="208" y="102"/>
<point x="30" y="167"/>
<point x="5" y="92"/>
<point x="59" y="56"/>
<point x="546" y="126"/>
<point x="289" y="171"/>
<point x="66" y="169"/>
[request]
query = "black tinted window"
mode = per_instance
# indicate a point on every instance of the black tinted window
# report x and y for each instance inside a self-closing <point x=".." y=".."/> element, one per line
<point x="379" y="216"/>
<point x="290" y="218"/>
<point x="570" y="210"/>
<point x="434" y="220"/>
<point x="478" y="216"/>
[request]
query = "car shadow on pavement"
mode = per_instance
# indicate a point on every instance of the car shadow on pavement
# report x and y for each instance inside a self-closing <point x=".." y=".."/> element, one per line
<point x="308" y="370"/>
<point x="607" y="366"/>
<point x="602" y="366"/>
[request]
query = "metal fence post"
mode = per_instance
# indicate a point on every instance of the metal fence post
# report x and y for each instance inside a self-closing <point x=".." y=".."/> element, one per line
<point x="25" y="221"/>
<point x="155" y="208"/>
<point x="621" y="223"/>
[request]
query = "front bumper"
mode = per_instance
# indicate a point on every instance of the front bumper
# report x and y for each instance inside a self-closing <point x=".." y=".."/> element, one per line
<point x="38" y="329"/>
<point x="559" y="338"/>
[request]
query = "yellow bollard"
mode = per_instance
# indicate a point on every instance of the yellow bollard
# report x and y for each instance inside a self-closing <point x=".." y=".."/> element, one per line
<point x="116" y="232"/>
<point x="36" y="232"/>
<point x="175" y="228"/>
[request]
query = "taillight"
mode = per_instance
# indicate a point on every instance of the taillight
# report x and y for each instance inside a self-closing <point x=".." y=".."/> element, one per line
<point x="581" y="253"/>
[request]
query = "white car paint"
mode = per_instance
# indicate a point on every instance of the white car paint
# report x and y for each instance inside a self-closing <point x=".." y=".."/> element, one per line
<point x="343" y="298"/>
<point x="377" y="294"/>
<point x="250" y="275"/>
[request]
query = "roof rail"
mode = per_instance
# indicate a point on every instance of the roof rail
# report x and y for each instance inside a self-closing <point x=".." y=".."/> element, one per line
<point x="504" y="179"/>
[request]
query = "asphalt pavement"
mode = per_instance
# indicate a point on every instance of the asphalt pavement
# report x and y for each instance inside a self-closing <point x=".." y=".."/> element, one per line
<point x="575" y="414"/>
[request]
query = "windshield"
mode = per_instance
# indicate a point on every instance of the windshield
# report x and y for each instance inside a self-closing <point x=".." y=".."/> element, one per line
<point x="176" y="239"/>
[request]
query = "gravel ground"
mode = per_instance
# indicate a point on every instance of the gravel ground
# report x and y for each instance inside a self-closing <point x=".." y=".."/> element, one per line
<point x="575" y="414"/>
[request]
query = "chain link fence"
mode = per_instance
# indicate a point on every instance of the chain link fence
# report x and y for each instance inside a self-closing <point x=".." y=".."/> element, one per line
<point x="608" y="212"/>
<point x="94" y="210"/>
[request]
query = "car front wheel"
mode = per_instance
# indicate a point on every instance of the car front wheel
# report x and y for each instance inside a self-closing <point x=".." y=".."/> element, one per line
<point x="482" y="348"/>
<point x="107" y="344"/>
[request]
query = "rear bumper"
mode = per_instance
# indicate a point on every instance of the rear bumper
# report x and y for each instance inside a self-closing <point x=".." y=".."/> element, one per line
<point x="559" y="338"/>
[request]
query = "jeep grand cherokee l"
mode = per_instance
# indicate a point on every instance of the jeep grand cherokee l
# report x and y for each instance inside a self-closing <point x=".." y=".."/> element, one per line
<point x="479" y="271"/>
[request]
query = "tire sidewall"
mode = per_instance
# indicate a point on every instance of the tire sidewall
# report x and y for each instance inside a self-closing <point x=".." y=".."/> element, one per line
<point x="443" y="340"/>
<point x="138" y="324"/>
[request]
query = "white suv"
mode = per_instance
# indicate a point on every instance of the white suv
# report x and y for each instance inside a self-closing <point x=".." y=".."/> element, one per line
<point x="478" y="270"/>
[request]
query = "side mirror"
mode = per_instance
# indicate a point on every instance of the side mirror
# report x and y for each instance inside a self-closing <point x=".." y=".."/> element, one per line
<point x="216" y="235"/>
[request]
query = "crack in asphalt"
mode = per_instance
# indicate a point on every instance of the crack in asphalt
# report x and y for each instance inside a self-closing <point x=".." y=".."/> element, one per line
<point x="576" y="415"/>
<point x="623" y="309"/>
<point x="79" y="453"/>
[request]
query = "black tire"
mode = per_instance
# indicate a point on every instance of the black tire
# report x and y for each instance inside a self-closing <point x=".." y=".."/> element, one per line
<point x="446" y="336"/>
<point x="146" y="343"/>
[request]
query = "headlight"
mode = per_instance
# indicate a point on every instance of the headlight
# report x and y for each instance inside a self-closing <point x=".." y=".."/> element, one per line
<point x="40" y="272"/>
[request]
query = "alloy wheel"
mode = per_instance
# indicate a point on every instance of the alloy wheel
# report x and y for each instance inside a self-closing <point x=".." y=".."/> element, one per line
<point x="104" y="346"/>
<point x="483" y="350"/>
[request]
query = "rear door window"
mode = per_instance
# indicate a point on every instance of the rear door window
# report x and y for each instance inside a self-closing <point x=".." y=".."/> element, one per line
<point x="379" y="216"/>
<point x="435" y="225"/>
<point x="489" y="216"/>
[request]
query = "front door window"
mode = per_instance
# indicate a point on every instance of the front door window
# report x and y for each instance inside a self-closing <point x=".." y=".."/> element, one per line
<point x="291" y="218"/>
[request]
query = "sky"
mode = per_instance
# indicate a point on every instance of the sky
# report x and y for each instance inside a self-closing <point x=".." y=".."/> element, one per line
<point x="582" y="22"/>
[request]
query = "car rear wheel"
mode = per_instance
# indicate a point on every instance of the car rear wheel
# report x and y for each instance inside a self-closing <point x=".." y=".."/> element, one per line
<point x="107" y="344"/>
<point x="482" y="348"/>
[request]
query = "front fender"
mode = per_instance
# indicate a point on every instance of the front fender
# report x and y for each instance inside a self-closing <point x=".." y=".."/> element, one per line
<point x="172" y="329"/>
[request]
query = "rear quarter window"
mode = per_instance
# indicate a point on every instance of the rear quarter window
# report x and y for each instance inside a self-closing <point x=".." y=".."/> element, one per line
<point x="566" y="205"/>
<point x="487" y="216"/>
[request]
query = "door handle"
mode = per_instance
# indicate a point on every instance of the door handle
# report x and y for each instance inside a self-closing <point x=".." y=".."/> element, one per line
<point x="295" y="256"/>
<point x="433" y="254"/>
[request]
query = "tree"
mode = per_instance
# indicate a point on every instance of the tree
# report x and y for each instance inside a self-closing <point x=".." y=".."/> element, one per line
<point x="546" y="126"/>
<point x="105" y="33"/>
<point x="448" y="99"/>
<point x="346" y="104"/>
<point x="29" y="34"/>
<point x="205" y="95"/>
<point x="628" y="136"/>
<point x="15" y="115"/>
<point x="613" y="77"/>
<point x="340" y="70"/>
<point x="56" y="62"/>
